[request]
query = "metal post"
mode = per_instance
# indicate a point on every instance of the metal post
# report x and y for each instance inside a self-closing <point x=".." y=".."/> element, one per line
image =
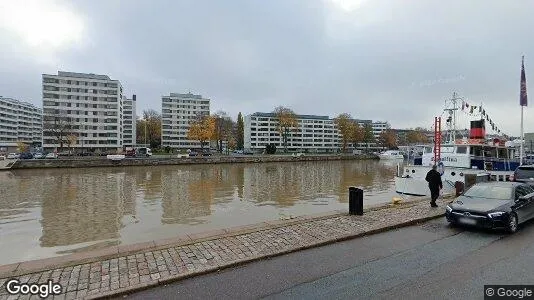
<point x="355" y="201"/>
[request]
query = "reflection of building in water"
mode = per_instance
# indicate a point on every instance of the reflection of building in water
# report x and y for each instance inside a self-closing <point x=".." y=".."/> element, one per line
<point x="81" y="208"/>
<point x="286" y="183"/>
<point x="188" y="193"/>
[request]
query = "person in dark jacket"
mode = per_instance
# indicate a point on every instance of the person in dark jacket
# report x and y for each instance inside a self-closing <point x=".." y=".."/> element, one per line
<point x="434" y="183"/>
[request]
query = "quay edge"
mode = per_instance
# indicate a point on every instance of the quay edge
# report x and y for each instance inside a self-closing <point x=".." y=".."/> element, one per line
<point x="102" y="162"/>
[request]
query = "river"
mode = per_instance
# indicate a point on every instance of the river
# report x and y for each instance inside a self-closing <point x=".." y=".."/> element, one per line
<point x="50" y="212"/>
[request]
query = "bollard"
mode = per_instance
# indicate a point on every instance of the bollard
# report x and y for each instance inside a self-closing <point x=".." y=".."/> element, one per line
<point x="355" y="201"/>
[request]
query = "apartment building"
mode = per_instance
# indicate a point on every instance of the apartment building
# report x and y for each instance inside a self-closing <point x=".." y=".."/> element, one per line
<point x="177" y="113"/>
<point x="313" y="133"/>
<point x="19" y="122"/>
<point x="129" y="133"/>
<point x="87" y="106"/>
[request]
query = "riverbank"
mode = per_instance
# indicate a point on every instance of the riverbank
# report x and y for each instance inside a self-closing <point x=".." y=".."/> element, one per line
<point x="174" y="160"/>
<point x="121" y="269"/>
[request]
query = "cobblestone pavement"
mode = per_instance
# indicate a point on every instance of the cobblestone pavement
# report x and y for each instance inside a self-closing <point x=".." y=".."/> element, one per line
<point x="148" y="267"/>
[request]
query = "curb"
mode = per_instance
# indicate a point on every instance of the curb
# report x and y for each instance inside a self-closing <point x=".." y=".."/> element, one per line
<point x="174" y="278"/>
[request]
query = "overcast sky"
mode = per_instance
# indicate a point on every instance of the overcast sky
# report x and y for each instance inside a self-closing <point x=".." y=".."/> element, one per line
<point x="390" y="60"/>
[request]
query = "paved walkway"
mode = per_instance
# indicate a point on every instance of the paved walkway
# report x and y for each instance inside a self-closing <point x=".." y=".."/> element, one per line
<point x="125" y="268"/>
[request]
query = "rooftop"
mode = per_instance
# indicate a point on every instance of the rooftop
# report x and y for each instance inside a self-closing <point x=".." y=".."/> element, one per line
<point x="81" y="75"/>
<point x="185" y="96"/>
<point x="15" y="101"/>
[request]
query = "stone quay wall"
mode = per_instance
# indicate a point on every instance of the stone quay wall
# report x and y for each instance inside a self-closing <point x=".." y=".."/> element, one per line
<point x="91" y="162"/>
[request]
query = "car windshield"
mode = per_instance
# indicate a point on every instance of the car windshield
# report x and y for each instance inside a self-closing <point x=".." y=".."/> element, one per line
<point x="490" y="192"/>
<point x="524" y="172"/>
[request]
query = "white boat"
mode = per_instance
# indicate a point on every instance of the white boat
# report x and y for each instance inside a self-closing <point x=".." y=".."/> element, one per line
<point x="391" y="154"/>
<point x="460" y="160"/>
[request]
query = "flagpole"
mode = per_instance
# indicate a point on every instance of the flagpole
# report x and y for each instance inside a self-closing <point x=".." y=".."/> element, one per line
<point x="522" y="139"/>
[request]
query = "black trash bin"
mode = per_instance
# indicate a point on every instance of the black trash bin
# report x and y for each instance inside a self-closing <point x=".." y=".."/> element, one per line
<point x="355" y="201"/>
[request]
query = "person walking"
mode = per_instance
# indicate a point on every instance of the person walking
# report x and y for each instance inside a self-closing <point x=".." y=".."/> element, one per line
<point x="433" y="177"/>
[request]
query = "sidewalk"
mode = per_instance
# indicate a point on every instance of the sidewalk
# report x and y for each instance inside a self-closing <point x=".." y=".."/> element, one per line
<point x="122" y="269"/>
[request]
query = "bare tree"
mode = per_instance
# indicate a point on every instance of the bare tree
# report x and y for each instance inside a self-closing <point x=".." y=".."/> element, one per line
<point x="58" y="126"/>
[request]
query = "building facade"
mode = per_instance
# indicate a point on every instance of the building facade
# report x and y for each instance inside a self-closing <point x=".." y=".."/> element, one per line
<point x="20" y="122"/>
<point x="178" y="111"/>
<point x="87" y="107"/>
<point x="313" y="133"/>
<point x="129" y="133"/>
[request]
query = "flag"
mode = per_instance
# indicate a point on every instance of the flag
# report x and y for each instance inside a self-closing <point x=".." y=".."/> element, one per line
<point x="523" y="95"/>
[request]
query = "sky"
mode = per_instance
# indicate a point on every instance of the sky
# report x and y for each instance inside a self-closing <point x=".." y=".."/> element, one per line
<point x="385" y="60"/>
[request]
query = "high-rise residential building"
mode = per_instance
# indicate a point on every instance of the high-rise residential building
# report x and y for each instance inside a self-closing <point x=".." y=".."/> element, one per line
<point x="20" y="122"/>
<point x="313" y="133"/>
<point x="177" y="113"/>
<point x="86" y="106"/>
<point x="129" y="114"/>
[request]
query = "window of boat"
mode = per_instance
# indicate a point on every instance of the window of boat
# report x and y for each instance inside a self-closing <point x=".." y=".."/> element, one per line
<point x="503" y="153"/>
<point x="476" y="151"/>
<point x="490" y="152"/>
<point x="490" y="192"/>
<point x="461" y="149"/>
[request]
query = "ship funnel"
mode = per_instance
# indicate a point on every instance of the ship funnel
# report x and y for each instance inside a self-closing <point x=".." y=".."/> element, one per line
<point x="478" y="129"/>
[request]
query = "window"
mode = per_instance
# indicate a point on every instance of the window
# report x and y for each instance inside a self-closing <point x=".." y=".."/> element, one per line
<point x="461" y="149"/>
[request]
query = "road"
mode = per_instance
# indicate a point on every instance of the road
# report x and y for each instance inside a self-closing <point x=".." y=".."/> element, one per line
<point x="428" y="261"/>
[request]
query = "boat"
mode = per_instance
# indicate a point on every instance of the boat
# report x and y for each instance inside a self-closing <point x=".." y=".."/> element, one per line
<point x="461" y="162"/>
<point x="391" y="154"/>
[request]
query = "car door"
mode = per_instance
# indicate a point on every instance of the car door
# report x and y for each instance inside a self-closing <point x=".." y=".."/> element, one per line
<point x="529" y="205"/>
<point x="522" y="207"/>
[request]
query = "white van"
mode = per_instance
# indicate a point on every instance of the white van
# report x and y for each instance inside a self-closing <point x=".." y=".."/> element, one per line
<point x="143" y="151"/>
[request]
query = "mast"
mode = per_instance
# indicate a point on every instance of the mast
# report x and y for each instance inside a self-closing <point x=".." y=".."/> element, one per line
<point x="452" y="117"/>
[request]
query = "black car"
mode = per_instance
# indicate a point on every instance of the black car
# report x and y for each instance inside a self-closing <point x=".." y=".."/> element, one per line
<point x="493" y="205"/>
<point x="26" y="155"/>
<point x="524" y="173"/>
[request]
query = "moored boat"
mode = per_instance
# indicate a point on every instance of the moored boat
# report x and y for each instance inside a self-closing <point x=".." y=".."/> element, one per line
<point x="391" y="154"/>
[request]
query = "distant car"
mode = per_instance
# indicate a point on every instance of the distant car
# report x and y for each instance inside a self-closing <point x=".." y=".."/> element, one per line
<point x="493" y="205"/>
<point x="238" y="151"/>
<point x="26" y="155"/>
<point x="13" y="156"/>
<point x="130" y="153"/>
<point x="143" y="151"/>
<point x="247" y="152"/>
<point x="524" y="173"/>
<point x="193" y="153"/>
<point x="206" y="153"/>
<point x="38" y="155"/>
<point x="51" y="155"/>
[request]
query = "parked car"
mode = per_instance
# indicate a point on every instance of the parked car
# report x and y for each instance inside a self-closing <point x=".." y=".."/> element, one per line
<point x="51" y="155"/>
<point x="193" y="153"/>
<point x="38" y="155"/>
<point x="143" y="151"/>
<point x="493" y="205"/>
<point x="524" y="173"/>
<point x="206" y="153"/>
<point x="130" y="153"/>
<point x="13" y="156"/>
<point x="248" y="152"/>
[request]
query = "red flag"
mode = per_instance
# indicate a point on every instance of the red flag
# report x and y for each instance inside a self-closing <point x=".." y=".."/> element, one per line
<point x="523" y="96"/>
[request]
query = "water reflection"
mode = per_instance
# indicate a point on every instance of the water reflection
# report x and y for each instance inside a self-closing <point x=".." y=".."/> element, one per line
<point x="45" y="212"/>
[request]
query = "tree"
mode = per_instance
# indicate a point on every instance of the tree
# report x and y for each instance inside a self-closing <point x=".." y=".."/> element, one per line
<point x="357" y="134"/>
<point x="240" y="138"/>
<point x="22" y="147"/>
<point x="71" y="139"/>
<point x="416" y="136"/>
<point x="368" y="136"/>
<point x="223" y="129"/>
<point x="346" y="128"/>
<point x="58" y="126"/>
<point x="202" y="130"/>
<point x="388" y="139"/>
<point x="286" y="120"/>
<point x="270" y="149"/>
<point x="149" y="128"/>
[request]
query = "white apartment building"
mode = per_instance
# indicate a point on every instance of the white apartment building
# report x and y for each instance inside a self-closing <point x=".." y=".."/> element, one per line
<point x="87" y="106"/>
<point x="177" y="112"/>
<point x="19" y="122"/>
<point x="313" y="133"/>
<point x="129" y="114"/>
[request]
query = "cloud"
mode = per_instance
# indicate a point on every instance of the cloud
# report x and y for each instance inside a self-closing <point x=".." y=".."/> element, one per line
<point x="389" y="60"/>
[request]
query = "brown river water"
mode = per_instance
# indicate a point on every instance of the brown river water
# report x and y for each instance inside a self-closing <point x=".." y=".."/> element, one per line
<point x="46" y="213"/>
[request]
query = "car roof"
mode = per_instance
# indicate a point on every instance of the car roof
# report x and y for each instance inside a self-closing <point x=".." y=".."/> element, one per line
<point x="501" y="183"/>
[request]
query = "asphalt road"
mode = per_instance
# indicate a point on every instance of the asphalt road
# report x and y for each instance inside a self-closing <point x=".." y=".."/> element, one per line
<point x="429" y="261"/>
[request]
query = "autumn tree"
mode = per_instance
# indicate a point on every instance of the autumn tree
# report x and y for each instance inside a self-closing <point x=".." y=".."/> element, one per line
<point x="417" y="136"/>
<point x="22" y="147"/>
<point x="149" y="128"/>
<point x="72" y="139"/>
<point x="202" y="130"/>
<point x="357" y="134"/>
<point x="388" y="139"/>
<point x="240" y="135"/>
<point x="346" y="128"/>
<point x="286" y="120"/>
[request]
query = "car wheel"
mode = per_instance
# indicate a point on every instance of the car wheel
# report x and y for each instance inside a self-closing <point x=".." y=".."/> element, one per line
<point x="512" y="223"/>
